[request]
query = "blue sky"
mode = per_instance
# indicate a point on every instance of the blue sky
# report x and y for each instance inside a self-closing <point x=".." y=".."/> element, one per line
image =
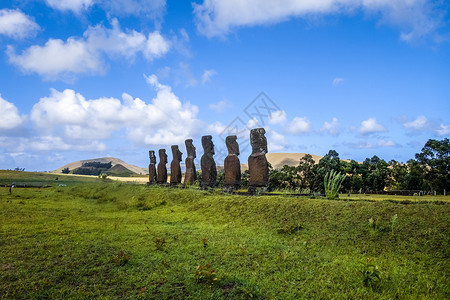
<point x="91" y="78"/>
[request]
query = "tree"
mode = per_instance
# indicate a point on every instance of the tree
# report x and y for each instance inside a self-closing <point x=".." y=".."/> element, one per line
<point x="414" y="179"/>
<point x="65" y="171"/>
<point x="435" y="158"/>
<point x="305" y="171"/>
<point x="327" y="163"/>
<point x="397" y="175"/>
<point x="377" y="174"/>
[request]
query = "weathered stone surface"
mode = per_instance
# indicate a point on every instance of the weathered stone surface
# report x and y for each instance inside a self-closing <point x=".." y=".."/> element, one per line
<point x="232" y="165"/>
<point x="162" y="169"/>
<point x="191" y="175"/>
<point x="152" y="167"/>
<point x="257" y="162"/>
<point x="209" y="171"/>
<point x="175" y="169"/>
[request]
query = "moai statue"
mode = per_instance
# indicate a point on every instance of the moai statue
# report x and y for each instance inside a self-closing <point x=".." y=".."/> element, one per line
<point x="162" y="170"/>
<point x="209" y="171"/>
<point x="191" y="175"/>
<point x="232" y="165"/>
<point x="175" y="169"/>
<point x="257" y="161"/>
<point x="152" y="167"/>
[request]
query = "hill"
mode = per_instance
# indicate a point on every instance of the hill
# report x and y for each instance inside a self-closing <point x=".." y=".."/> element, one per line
<point x="278" y="160"/>
<point x="121" y="171"/>
<point x="114" y="161"/>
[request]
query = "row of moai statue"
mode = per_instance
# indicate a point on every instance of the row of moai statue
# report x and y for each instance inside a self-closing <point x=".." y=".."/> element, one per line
<point x="257" y="164"/>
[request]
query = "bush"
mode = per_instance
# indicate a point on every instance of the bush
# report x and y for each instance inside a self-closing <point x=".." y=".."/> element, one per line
<point x="333" y="182"/>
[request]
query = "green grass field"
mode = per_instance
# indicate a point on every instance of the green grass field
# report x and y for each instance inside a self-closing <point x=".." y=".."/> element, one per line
<point x="115" y="240"/>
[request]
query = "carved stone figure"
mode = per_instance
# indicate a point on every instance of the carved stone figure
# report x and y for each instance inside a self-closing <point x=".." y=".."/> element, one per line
<point x="162" y="169"/>
<point x="175" y="169"/>
<point x="232" y="165"/>
<point x="191" y="175"/>
<point x="257" y="161"/>
<point x="209" y="171"/>
<point x="152" y="167"/>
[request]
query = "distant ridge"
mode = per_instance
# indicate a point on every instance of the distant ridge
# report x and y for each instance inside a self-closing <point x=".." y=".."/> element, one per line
<point x="278" y="160"/>
<point x="114" y="161"/>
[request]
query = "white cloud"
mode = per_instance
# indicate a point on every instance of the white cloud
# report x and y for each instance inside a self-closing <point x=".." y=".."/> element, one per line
<point x="220" y="106"/>
<point x="419" y="123"/>
<point x="207" y="74"/>
<point x="337" y="81"/>
<point x="333" y="128"/>
<point x="386" y="143"/>
<point x="277" y="117"/>
<point x="16" y="24"/>
<point x="415" y="18"/>
<point x="156" y="46"/>
<point x="20" y="145"/>
<point x="216" y="127"/>
<point x="299" y="126"/>
<point x="9" y="115"/>
<point x="276" y="141"/>
<point x="443" y="130"/>
<point x="73" y="5"/>
<point x="62" y="60"/>
<point x="163" y="121"/>
<point x="252" y="123"/>
<point x="370" y="126"/>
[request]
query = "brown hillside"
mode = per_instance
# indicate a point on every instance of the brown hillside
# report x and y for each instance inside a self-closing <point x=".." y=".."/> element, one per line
<point x="113" y="160"/>
<point x="278" y="160"/>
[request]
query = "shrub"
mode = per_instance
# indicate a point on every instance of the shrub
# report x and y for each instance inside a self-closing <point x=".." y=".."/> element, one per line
<point x="333" y="182"/>
<point x="205" y="274"/>
<point x="121" y="258"/>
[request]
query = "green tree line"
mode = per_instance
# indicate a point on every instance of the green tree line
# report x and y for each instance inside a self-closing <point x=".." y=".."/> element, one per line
<point x="429" y="171"/>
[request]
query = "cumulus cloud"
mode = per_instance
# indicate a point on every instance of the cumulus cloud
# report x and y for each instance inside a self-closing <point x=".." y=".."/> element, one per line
<point x="16" y="24"/>
<point x="299" y="126"/>
<point x="276" y="141"/>
<point x="333" y="128"/>
<point x="277" y="117"/>
<point x="20" y="145"/>
<point x="420" y="123"/>
<point x="9" y="115"/>
<point x="444" y="130"/>
<point x="207" y="74"/>
<point x="220" y="106"/>
<point x="62" y="60"/>
<point x="216" y="127"/>
<point x="71" y="116"/>
<point x="370" y="126"/>
<point x="337" y="81"/>
<point x="415" y="18"/>
<point x="70" y="5"/>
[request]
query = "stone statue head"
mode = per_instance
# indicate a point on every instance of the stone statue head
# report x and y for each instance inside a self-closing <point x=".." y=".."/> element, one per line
<point x="232" y="145"/>
<point x="258" y="141"/>
<point x="190" y="148"/>
<point x="151" y="153"/>
<point x="176" y="153"/>
<point x="162" y="156"/>
<point x="208" y="146"/>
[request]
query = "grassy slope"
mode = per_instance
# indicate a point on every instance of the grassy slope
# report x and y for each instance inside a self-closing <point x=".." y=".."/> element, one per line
<point x="60" y="243"/>
<point x="42" y="179"/>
